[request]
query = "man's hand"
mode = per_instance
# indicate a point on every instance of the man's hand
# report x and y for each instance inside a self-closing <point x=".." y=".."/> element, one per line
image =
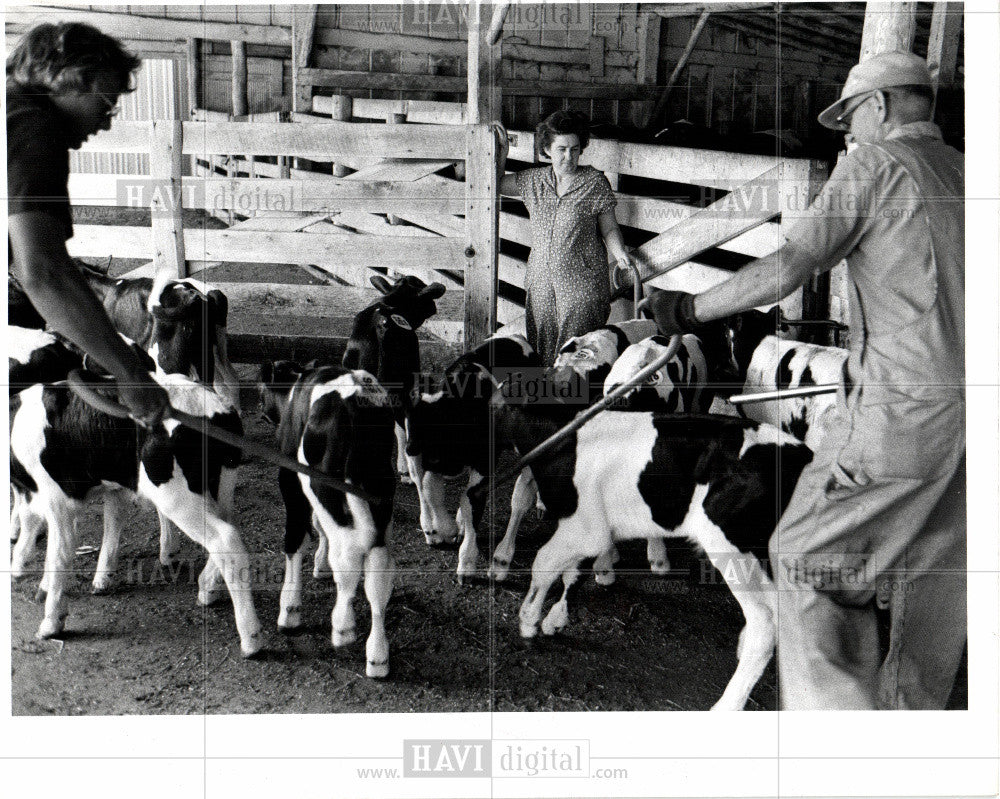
<point x="146" y="400"/>
<point x="672" y="310"/>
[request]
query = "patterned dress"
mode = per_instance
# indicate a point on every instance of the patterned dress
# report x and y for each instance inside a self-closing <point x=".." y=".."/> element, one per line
<point x="567" y="276"/>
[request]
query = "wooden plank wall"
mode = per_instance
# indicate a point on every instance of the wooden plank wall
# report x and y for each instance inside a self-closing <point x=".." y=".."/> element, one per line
<point x="733" y="81"/>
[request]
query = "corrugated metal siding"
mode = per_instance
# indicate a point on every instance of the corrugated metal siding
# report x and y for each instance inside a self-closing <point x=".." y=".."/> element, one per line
<point x="155" y="97"/>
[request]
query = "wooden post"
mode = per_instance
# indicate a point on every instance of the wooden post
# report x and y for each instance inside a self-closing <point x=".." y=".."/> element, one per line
<point x="802" y="109"/>
<point x="341" y="109"/>
<point x="649" y="60"/>
<point x="942" y="45"/>
<point x="165" y="165"/>
<point x="239" y="50"/>
<point x="889" y="26"/>
<point x="481" y="201"/>
<point x="194" y="96"/>
<point x="303" y="28"/>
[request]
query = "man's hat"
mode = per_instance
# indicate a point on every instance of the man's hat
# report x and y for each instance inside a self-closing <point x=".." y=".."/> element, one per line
<point x="882" y="71"/>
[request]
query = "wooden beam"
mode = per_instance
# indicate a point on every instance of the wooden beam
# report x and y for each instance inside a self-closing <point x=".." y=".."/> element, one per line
<point x="130" y="25"/>
<point x="661" y="103"/>
<point x="303" y="31"/>
<point x="669" y="10"/>
<point x="239" y="58"/>
<point x="345" y="79"/>
<point x="481" y="199"/>
<point x="428" y="45"/>
<point x="496" y="22"/>
<point x="165" y="167"/>
<point x="194" y="98"/>
<point x="741" y="210"/>
<point x="272" y="247"/>
<point x="889" y="26"/>
<point x="942" y="45"/>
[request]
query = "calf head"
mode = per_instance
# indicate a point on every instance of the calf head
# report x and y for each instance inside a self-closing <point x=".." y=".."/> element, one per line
<point x="658" y="389"/>
<point x="274" y="386"/>
<point x="585" y="361"/>
<point x="409" y="297"/>
<point x="188" y="327"/>
<point x="383" y="342"/>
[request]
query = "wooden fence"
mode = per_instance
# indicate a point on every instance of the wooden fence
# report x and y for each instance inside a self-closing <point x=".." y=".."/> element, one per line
<point x="390" y="208"/>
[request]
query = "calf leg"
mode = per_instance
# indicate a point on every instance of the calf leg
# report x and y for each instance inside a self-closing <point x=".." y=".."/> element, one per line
<point x="558" y="617"/>
<point x="524" y="497"/>
<point x="115" y="505"/>
<point x="756" y="596"/>
<point x="562" y="553"/>
<point x="443" y="528"/>
<point x="321" y="559"/>
<point x="168" y="539"/>
<point x="656" y="554"/>
<point x="31" y="525"/>
<point x="290" y="602"/>
<point x="60" y="551"/>
<point x="402" y="466"/>
<point x="210" y="581"/>
<point x="379" y="573"/>
<point x="15" y="516"/>
<point x="197" y="519"/>
<point x="468" y="553"/>
<point x="604" y="566"/>
<point x="347" y="561"/>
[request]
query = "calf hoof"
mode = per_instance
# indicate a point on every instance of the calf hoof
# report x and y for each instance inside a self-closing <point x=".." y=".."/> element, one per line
<point x="290" y="621"/>
<point x="528" y="631"/>
<point x="661" y="567"/>
<point x="208" y="597"/>
<point x="322" y="574"/>
<point x="377" y="670"/>
<point x="405" y="479"/>
<point x="343" y="637"/>
<point x="499" y="570"/>
<point x="41" y="595"/>
<point x="604" y="578"/>
<point x="252" y="646"/>
<point x="556" y="621"/>
<point x="168" y="559"/>
<point x="49" y="628"/>
<point x="102" y="585"/>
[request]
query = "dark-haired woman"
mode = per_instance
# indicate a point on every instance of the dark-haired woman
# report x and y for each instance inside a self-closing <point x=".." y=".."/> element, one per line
<point x="567" y="281"/>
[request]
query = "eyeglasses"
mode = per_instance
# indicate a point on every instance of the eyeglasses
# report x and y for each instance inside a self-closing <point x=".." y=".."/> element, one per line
<point x="113" y="109"/>
<point x="846" y="115"/>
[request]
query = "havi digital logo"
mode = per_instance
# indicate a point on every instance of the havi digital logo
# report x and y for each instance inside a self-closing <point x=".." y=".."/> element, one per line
<point x="437" y="758"/>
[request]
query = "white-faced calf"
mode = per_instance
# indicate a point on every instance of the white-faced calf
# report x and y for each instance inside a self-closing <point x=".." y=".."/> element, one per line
<point x="717" y="481"/>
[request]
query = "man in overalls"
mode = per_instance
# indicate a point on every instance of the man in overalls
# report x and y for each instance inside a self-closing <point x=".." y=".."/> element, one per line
<point x="883" y="502"/>
<point x="63" y="84"/>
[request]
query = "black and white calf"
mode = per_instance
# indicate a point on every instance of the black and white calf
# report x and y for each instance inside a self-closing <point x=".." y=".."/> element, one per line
<point x="64" y="452"/>
<point x="586" y="360"/>
<point x="450" y="430"/>
<point x="682" y="385"/>
<point x="717" y="481"/>
<point x="779" y="363"/>
<point x="340" y="422"/>
<point x="383" y="341"/>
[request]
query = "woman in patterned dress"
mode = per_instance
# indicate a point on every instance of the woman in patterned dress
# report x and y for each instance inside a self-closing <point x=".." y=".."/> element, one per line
<point x="567" y="278"/>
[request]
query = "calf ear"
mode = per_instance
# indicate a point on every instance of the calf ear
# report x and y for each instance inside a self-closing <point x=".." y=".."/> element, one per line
<point x="219" y="303"/>
<point x="432" y="292"/>
<point x="380" y="283"/>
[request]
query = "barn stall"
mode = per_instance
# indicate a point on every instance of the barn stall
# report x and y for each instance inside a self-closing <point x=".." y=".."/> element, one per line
<point x="289" y="153"/>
